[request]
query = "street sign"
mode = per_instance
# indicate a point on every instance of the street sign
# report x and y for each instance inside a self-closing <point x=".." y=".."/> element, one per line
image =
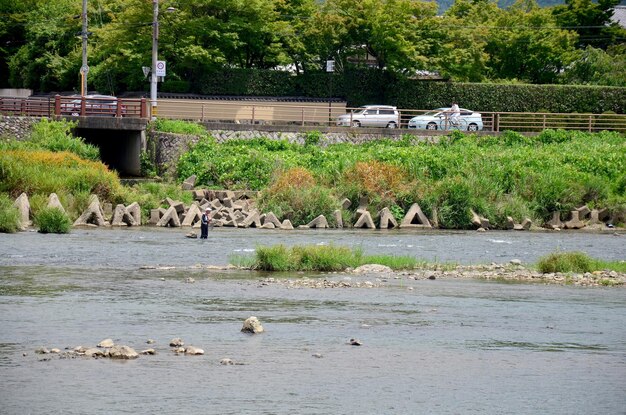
<point x="84" y="69"/>
<point x="146" y="70"/>
<point x="160" y="68"/>
<point x="330" y="66"/>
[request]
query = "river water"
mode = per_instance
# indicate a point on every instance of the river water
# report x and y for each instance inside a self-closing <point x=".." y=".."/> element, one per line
<point x="438" y="347"/>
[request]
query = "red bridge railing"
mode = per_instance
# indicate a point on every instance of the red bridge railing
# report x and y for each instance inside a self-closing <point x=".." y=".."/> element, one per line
<point x="74" y="106"/>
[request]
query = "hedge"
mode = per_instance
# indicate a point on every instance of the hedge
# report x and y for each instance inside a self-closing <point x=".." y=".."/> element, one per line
<point x="372" y="86"/>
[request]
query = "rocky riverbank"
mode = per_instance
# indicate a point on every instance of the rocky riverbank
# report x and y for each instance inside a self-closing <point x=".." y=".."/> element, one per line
<point x="376" y="276"/>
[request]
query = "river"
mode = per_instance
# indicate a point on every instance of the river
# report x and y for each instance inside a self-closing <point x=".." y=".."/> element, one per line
<point x="438" y="347"/>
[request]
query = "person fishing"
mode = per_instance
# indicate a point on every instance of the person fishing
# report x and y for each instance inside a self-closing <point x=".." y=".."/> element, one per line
<point x="205" y="220"/>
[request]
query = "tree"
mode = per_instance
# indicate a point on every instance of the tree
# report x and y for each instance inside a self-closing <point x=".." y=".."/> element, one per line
<point x="45" y="60"/>
<point x="597" y="67"/>
<point x="592" y="21"/>
<point x="525" y="44"/>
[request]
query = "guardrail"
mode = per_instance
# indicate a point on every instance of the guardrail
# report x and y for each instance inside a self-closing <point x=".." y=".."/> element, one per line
<point x="297" y="114"/>
<point x="74" y="106"/>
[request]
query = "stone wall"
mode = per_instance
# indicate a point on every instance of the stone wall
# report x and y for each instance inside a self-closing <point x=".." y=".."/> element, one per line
<point x="16" y="127"/>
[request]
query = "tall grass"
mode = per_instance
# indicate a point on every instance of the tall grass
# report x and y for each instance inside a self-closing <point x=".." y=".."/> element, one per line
<point x="318" y="258"/>
<point x="9" y="215"/>
<point x="577" y="262"/>
<point x="52" y="220"/>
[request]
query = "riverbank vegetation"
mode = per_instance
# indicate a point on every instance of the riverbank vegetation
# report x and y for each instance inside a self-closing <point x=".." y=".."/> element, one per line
<point x="327" y="258"/>
<point x="577" y="262"/>
<point x="496" y="176"/>
<point x="52" y="220"/>
<point x="317" y="258"/>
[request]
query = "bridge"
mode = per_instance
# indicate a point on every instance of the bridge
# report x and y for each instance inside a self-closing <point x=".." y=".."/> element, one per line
<point x="116" y="126"/>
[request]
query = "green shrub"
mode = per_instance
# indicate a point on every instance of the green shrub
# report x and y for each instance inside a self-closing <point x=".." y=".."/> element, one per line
<point x="9" y="215"/>
<point x="178" y="127"/>
<point x="566" y="262"/>
<point x="56" y="136"/>
<point x="52" y="220"/>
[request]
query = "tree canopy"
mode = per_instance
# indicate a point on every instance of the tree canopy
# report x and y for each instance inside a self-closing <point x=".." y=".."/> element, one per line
<point x="474" y="40"/>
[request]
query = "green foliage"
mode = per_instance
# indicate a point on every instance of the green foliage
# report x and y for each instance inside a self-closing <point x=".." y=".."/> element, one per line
<point x="147" y="166"/>
<point x="55" y="136"/>
<point x="510" y="175"/>
<point x="565" y="262"/>
<point x="9" y="215"/>
<point x="321" y="258"/>
<point x="178" y="127"/>
<point x="52" y="220"/>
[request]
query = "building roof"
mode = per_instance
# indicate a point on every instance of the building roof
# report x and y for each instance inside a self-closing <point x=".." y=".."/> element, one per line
<point x="619" y="15"/>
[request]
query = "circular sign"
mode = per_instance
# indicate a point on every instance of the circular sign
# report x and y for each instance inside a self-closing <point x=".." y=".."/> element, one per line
<point x="160" y="65"/>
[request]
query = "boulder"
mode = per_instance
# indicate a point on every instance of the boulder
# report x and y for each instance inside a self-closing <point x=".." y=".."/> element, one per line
<point x="192" y="216"/>
<point x="318" y="222"/>
<point x="177" y="205"/>
<point x="23" y="206"/>
<point x="189" y="183"/>
<point x="386" y="219"/>
<point x="106" y="343"/>
<point x="155" y="215"/>
<point x="574" y="222"/>
<point x="93" y="215"/>
<point x="93" y="352"/>
<point x="598" y="216"/>
<point x="583" y="211"/>
<point x="372" y="269"/>
<point x="268" y="225"/>
<point x="199" y="195"/>
<point x="176" y="342"/>
<point x="169" y="218"/>
<point x="122" y="352"/>
<point x="54" y="202"/>
<point x="192" y="235"/>
<point x="227" y="202"/>
<point x="252" y="220"/>
<point x="365" y="221"/>
<point x="134" y="210"/>
<point x="271" y="218"/>
<point x="363" y="202"/>
<point x="524" y="226"/>
<point x="338" y="218"/>
<point x="286" y="225"/>
<point x="193" y="351"/>
<point x="252" y="325"/>
<point x="121" y="217"/>
<point x="555" y="222"/>
<point x="415" y="218"/>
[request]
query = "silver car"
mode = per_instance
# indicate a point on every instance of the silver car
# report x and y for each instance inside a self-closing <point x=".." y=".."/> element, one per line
<point x="384" y="116"/>
<point x="95" y="105"/>
<point x="441" y="119"/>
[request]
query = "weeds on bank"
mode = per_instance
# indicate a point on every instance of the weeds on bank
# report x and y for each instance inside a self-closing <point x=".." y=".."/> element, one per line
<point x="52" y="220"/>
<point x="321" y="258"/>
<point x="576" y="262"/>
<point x="9" y="215"/>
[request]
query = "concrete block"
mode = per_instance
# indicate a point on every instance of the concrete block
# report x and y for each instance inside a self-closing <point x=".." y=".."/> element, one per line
<point x="365" y="221"/>
<point x="415" y="218"/>
<point x="386" y="219"/>
<point x="319" y="222"/>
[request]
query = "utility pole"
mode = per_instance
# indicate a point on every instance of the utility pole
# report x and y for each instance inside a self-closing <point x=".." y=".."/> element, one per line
<point x="84" y="69"/>
<point x="155" y="48"/>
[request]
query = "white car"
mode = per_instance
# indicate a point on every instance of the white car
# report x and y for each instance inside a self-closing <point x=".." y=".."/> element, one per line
<point x="95" y="105"/>
<point x="441" y="119"/>
<point x="384" y="116"/>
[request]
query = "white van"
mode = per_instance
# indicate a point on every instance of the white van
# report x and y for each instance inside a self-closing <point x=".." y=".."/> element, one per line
<point x="383" y="116"/>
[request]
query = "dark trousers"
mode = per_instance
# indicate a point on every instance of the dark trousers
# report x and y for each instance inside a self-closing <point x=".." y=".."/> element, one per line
<point x="204" y="230"/>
